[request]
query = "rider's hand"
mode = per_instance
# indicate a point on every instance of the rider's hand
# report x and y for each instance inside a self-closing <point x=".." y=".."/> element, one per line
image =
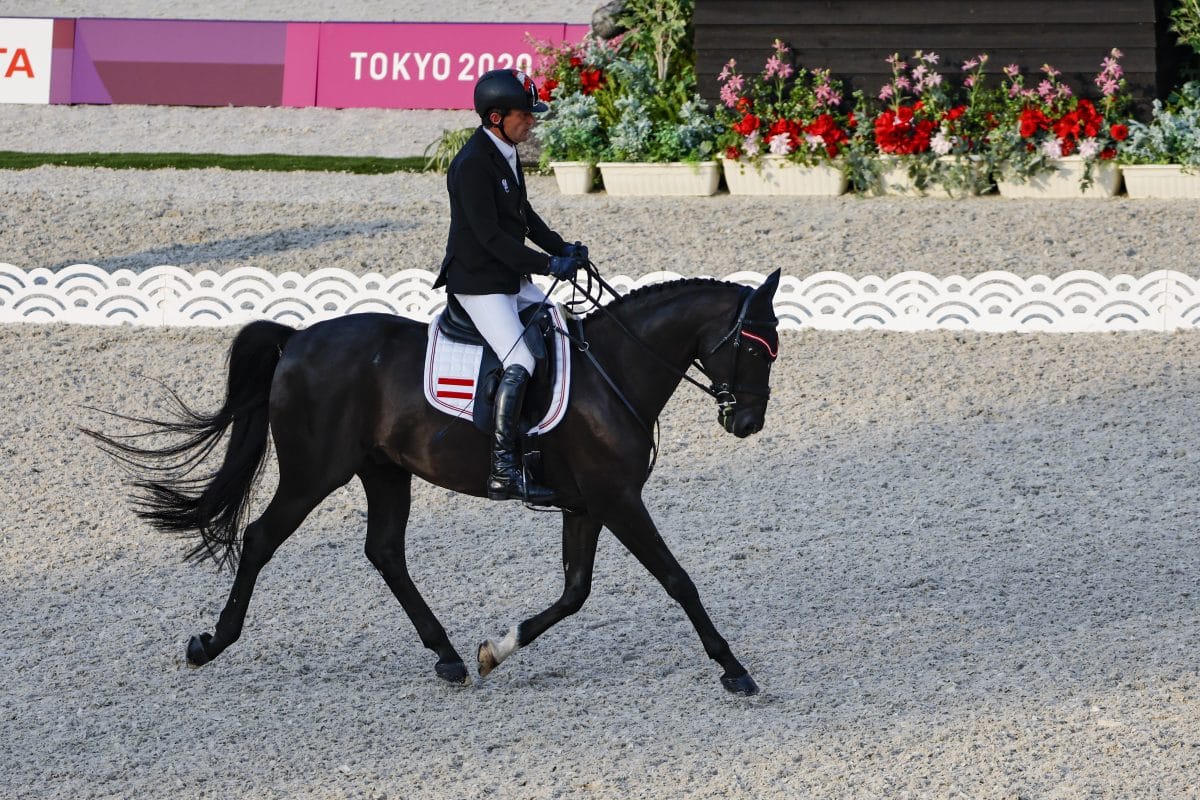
<point x="576" y="250"/>
<point x="563" y="267"/>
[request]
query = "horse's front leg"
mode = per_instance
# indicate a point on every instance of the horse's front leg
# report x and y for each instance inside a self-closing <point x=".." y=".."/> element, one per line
<point x="631" y="523"/>
<point x="580" y="533"/>
<point x="389" y="500"/>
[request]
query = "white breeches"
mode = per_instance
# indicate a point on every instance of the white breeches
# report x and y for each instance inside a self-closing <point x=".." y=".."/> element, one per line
<point x="495" y="315"/>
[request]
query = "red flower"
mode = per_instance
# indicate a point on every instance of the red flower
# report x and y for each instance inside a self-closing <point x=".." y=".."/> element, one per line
<point x="1032" y="121"/>
<point x="790" y="127"/>
<point x="732" y="152"/>
<point x="954" y="113"/>
<point x="1108" y="154"/>
<point x="590" y="80"/>
<point x="897" y="132"/>
<point x="748" y="125"/>
<point x="851" y="120"/>
<point x="743" y="105"/>
<point x="547" y="88"/>
<point x="1119" y="133"/>
<point x="827" y="128"/>
<point x="1089" y="118"/>
<point x="576" y="61"/>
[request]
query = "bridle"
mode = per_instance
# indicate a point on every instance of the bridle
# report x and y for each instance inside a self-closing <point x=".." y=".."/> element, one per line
<point x="757" y="343"/>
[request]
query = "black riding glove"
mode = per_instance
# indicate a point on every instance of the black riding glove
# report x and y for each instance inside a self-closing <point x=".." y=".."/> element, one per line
<point x="577" y="250"/>
<point x="563" y="267"/>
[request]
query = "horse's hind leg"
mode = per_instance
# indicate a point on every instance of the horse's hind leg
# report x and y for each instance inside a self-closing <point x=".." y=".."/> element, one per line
<point x="284" y="514"/>
<point x="632" y="525"/>
<point x="580" y="533"/>
<point x="388" y="490"/>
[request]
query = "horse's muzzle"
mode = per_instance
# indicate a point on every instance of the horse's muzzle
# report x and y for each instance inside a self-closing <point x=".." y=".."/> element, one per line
<point x="741" y="423"/>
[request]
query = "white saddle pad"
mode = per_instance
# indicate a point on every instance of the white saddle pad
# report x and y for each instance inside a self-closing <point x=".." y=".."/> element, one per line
<point x="452" y="368"/>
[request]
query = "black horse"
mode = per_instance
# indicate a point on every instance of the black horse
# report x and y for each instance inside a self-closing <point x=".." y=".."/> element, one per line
<point x="344" y="398"/>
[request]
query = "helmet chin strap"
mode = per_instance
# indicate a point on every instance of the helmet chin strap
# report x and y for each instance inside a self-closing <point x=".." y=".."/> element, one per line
<point x="503" y="133"/>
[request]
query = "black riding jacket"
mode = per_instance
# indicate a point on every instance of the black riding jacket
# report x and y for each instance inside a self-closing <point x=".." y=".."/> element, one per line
<point x="490" y="218"/>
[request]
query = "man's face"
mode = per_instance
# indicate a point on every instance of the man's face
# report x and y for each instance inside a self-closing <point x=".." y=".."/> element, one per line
<point x="517" y="125"/>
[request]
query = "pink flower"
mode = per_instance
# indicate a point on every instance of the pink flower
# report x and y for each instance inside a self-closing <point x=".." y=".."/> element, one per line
<point x="1108" y="87"/>
<point x="885" y="93"/>
<point x="727" y="70"/>
<point x="1050" y="71"/>
<point x="902" y="83"/>
<point x="729" y="95"/>
<point x="780" y="47"/>
<point x="1116" y="53"/>
<point x="970" y="64"/>
<point x="1089" y="148"/>
<point x="827" y="96"/>
<point x="1046" y="90"/>
<point x="1064" y="90"/>
<point x="773" y="67"/>
<point x="1052" y="148"/>
<point x="969" y="81"/>
<point x="919" y="72"/>
<point x="1012" y="70"/>
<point x="750" y="145"/>
<point x="930" y="58"/>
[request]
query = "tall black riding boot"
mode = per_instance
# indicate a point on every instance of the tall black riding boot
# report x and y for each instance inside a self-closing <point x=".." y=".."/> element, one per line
<point x="507" y="479"/>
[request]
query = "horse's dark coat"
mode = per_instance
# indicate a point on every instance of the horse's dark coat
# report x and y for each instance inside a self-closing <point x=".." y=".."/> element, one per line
<point x="344" y="398"/>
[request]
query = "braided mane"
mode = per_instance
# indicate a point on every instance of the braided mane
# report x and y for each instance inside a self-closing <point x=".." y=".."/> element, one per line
<point x="656" y="288"/>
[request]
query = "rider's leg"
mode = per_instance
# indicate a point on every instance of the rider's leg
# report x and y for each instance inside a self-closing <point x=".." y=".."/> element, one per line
<point x="495" y="315"/>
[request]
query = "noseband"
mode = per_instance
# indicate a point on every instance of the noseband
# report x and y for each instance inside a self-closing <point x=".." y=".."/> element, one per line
<point x="756" y="345"/>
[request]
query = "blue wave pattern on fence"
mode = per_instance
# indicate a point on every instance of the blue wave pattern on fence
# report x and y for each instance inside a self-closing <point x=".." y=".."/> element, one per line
<point x="1077" y="301"/>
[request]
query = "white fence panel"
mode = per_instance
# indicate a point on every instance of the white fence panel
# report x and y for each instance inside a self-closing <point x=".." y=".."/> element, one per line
<point x="1077" y="301"/>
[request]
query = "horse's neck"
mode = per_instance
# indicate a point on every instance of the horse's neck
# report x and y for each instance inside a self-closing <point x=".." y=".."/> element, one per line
<point x="669" y="327"/>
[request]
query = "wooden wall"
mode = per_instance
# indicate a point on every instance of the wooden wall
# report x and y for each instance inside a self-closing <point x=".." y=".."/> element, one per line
<point x="852" y="37"/>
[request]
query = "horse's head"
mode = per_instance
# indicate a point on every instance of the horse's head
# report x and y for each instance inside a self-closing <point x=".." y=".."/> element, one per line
<point x="737" y="357"/>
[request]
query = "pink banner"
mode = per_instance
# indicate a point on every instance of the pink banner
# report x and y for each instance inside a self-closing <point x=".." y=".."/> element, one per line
<point x="421" y="65"/>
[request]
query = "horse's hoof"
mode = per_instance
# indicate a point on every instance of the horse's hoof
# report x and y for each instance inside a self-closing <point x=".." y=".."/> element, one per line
<point x="452" y="672"/>
<point x="742" y="685"/>
<point x="487" y="659"/>
<point x="197" y="655"/>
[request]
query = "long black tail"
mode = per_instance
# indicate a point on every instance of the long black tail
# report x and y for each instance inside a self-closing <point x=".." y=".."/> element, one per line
<point x="213" y="506"/>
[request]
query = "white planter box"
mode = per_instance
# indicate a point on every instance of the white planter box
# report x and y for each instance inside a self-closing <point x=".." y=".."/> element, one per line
<point x="649" y="179"/>
<point x="574" y="177"/>
<point x="1160" y="180"/>
<point x="894" y="180"/>
<point x="779" y="176"/>
<point x="1064" y="181"/>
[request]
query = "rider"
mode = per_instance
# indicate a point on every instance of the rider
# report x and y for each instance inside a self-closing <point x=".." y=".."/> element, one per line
<point x="487" y="264"/>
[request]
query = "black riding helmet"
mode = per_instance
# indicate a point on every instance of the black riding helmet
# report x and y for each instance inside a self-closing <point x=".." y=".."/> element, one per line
<point x="506" y="90"/>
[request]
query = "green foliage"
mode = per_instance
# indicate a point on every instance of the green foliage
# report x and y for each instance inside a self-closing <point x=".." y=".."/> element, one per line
<point x="632" y="101"/>
<point x="446" y="148"/>
<point x="660" y="36"/>
<point x="269" y="162"/>
<point x="1173" y="134"/>
<point x="1185" y="23"/>
<point x="573" y="132"/>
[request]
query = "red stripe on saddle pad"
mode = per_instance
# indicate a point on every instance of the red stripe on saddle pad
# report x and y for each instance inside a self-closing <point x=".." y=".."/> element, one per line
<point x="456" y="382"/>
<point x="456" y="395"/>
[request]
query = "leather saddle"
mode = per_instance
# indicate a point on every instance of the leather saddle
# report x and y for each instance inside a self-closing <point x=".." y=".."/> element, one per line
<point x="455" y="324"/>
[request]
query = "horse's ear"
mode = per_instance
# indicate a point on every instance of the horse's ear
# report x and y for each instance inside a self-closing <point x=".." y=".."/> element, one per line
<point x="765" y="294"/>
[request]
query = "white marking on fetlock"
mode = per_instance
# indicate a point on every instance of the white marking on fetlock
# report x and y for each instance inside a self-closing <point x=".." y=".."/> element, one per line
<point x="505" y="647"/>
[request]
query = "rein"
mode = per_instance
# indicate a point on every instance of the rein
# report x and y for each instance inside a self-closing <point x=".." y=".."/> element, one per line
<point x="723" y="393"/>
